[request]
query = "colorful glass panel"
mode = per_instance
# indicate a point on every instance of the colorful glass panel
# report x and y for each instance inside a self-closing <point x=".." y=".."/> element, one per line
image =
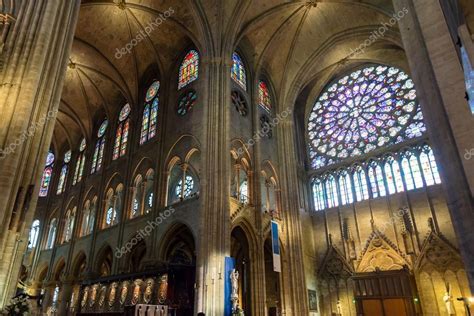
<point x="188" y="71"/>
<point x="102" y="128"/>
<point x="369" y="108"/>
<point x="469" y="77"/>
<point x="238" y="71"/>
<point x="187" y="102"/>
<point x="124" y="113"/>
<point x="264" y="96"/>
<point x="145" y="122"/>
<point x="152" y="91"/>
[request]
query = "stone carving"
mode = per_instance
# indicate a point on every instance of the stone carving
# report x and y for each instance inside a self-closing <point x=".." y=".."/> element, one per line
<point x="234" y="296"/>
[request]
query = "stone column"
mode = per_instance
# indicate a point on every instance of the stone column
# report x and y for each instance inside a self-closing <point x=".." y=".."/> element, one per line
<point x="35" y="57"/>
<point x="213" y="242"/>
<point x="437" y="73"/>
<point x="293" y="285"/>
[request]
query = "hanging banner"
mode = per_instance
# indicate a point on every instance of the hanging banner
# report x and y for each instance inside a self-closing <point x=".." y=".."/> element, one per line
<point x="276" y="247"/>
<point x="229" y="266"/>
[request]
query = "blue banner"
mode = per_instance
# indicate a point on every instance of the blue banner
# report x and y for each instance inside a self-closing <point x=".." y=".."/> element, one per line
<point x="276" y="247"/>
<point x="229" y="266"/>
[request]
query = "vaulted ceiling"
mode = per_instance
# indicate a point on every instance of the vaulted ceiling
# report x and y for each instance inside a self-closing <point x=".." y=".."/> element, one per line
<point x="294" y="43"/>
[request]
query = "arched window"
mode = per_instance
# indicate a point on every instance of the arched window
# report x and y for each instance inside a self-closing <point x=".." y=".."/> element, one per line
<point x="85" y="218"/>
<point x="319" y="196"/>
<point x="51" y="233"/>
<point x="428" y="164"/>
<point x="121" y="135"/>
<point x="34" y="232"/>
<point x="415" y="169"/>
<point x="110" y="208"/>
<point x="188" y="71"/>
<point x="238" y="71"/>
<point x="88" y="217"/>
<point x="69" y="226"/>
<point x="393" y="176"/>
<point x="360" y="184"/>
<point x="137" y="196"/>
<point x="184" y="191"/>
<point x="331" y="192"/>
<point x="150" y="112"/>
<point x="64" y="172"/>
<point x="47" y="173"/>
<point x="345" y="187"/>
<point x="113" y="206"/>
<point x="81" y="159"/>
<point x="149" y="191"/>
<point x="244" y="194"/>
<point x="98" y="157"/>
<point x="409" y="181"/>
<point x="264" y="96"/>
<point x="364" y="110"/>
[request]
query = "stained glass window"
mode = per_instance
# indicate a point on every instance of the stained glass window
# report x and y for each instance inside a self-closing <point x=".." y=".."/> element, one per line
<point x="360" y="184"/>
<point x="150" y="112"/>
<point x="331" y="192"/>
<point x="62" y="179"/>
<point x="80" y="163"/>
<point x="238" y="71"/>
<point x="69" y="227"/>
<point x="98" y="157"/>
<point x="469" y="77"/>
<point x="319" y="198"/>
<point x="34" y="233"/>
<point x="47" y="173"/>
<point x="383" y="175"/>
<point x="369" y="108"/>
<point x="186" y="102"/>
<point x="121" y="135"/>
<point x="187" y="189"/>
<point x="244" y="192"/>
<point x="345" y="186"/>
<point x="51" y="233"/>
<point x="188" y="71"/>
<point x="64" y="173"/>
<point x="264" y="96"/>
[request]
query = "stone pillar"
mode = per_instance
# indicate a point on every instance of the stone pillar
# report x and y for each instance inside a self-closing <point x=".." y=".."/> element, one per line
<point x="293" y="285"/>
<point x="35" y="56"/>
<point x="437" y="73"/>
<point x="213" y="242"/>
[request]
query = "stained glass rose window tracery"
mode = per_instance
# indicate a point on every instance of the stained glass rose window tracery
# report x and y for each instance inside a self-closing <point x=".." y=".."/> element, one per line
<point x="371" y="107"/>
<point x="150" y="113"/>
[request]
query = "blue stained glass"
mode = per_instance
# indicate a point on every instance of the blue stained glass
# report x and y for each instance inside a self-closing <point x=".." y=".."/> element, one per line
<point x="469" y="77"/>
<point x="238" y="71"/>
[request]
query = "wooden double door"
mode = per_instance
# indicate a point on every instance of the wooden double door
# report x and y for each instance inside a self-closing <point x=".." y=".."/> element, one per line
<point x="391" y="293"/>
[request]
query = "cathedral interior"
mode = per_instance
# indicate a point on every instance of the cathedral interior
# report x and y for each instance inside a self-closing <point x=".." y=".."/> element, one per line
<point x="237" y="157"/>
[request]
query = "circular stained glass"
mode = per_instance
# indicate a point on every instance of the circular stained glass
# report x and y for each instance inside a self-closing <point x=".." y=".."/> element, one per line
<point x="67" y="156"/>
<point x="124" y="112"/>
<point x="187" y="102"/>
<point x="152" y="91"/>
<point x="83" y="145"/>
<point x="372" y="107"/>
<point x="103" y="128"/>
<point x="49" y="159"/>
<point x="238" y="101"/>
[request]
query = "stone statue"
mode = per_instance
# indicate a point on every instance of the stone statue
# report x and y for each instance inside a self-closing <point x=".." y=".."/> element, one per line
<point x="234" y="296"/>
<point x="339" y="307"/>
<point x="447" y="301"/>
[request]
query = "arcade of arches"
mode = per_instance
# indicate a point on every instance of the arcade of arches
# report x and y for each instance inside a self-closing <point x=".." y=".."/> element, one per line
<point x="323" y="149"/>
